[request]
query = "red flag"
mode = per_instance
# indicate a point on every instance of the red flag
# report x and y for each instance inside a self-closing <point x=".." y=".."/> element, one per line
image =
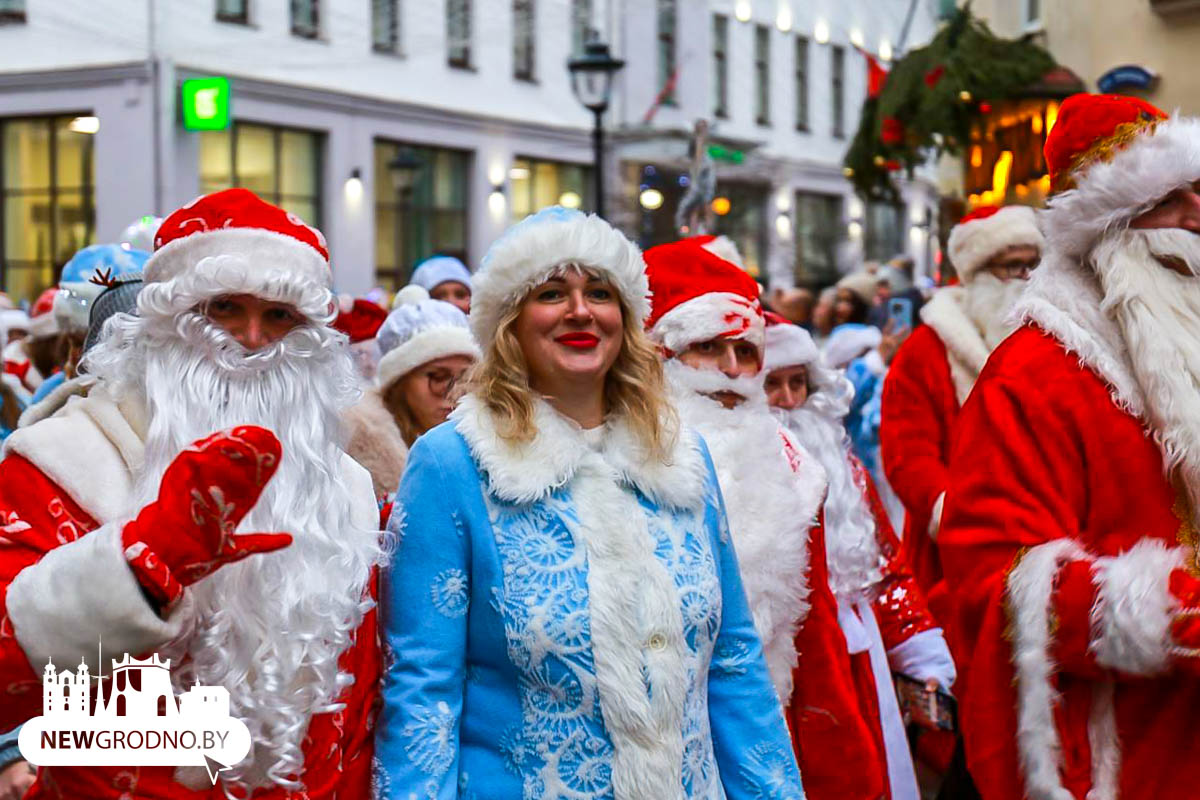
<point x="876" y="75"/>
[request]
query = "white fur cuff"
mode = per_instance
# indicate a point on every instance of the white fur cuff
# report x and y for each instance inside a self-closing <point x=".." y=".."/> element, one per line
<point x="935" y="516"/>
<point x="83" y="594"/>
<point x="1131" y="619"/>
<point x="923" y="656"/>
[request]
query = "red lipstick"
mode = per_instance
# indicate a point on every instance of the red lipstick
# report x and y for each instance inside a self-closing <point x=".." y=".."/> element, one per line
<point x="580" y="341"/>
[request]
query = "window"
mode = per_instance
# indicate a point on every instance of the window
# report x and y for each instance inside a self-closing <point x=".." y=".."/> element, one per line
<point x="424" y="219"/>
<point x="667" y="20"/>
<point x="581" y="23"/>
<point x="720" y="78"/>
<point x="385" y="26"/>
<point x="47" y="207"/>
<point x="231" y="11"/>
<point x="537" y="184"/>
<point x="458" y="33"/>
<point x="280" y="165"/>
<point x="884" y="231"/>
<point x="1033" y="13"/>
<point x="524" y="29"/>
<point x="306" y="18"/>
<point x="838" y="53"/>
<point x="801" y="83"/>
<point x="12" y="11"/>
<point x="762" y="74"/>
<point x="818" y="233"/>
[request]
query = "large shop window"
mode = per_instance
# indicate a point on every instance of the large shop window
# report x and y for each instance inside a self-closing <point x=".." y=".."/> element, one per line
<point x="423" y="214"/>
<point x="885" y="231"/>
<point x="819" y="232"/>
<point x="537" y="184"/>
<point x="280" y="165"/>
<point x="46" y="199"/>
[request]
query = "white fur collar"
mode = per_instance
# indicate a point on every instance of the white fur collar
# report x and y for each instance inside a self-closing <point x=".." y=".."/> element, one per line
<point x="526" y="473"/>
<point x="1064" y="298"/>
<point x="947" y="314"/>
<point x="56" y="399"/>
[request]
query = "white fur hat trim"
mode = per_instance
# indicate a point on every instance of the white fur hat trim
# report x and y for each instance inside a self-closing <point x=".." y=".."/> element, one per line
<point x="789" y="346"/>
<point x="710" y="316"/>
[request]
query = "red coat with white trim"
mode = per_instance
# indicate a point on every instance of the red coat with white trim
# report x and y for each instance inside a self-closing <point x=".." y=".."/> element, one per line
<point x="919" y="411"/>
<point x="40" y="518"/>
<point x="1058" y="514"/>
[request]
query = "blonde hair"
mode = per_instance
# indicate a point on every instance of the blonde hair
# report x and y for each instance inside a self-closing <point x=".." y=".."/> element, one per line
<point x="634" y="388"/>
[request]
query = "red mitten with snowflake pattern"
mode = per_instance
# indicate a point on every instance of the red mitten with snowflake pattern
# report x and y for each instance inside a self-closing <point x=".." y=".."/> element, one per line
<point x="188" y="532"/>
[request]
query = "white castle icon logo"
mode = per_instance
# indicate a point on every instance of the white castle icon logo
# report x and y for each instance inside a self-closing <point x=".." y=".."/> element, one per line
<point x="139" y="688"/>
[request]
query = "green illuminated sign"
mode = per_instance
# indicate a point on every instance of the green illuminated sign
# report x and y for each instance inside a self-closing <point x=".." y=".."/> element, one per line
<point x="719" y="153"/>
<point x="205" y="104"/>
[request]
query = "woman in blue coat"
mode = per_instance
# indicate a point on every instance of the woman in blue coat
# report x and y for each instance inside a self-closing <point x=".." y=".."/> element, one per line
<point x="563" y="615"/>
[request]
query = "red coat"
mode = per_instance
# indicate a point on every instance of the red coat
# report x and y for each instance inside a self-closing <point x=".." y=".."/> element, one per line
<point x="1055" y="544"/>
<point x="919" y="411"/>
<point x="38" y="517"/>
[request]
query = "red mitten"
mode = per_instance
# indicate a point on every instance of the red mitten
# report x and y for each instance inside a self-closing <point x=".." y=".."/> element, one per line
<point x="187" y="533"/>
<point x="1185" y="627"/>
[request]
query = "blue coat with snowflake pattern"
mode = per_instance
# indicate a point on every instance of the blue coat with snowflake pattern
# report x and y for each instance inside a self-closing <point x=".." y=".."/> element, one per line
<point x="566" y="621"/>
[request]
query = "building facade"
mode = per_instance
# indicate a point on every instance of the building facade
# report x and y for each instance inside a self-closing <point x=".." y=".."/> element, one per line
<point x="406" y="128"/>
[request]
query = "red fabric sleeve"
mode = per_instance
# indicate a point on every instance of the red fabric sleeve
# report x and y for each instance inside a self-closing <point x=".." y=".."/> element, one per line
<point x="914" y="435"/>
<point x="37" y="516"/>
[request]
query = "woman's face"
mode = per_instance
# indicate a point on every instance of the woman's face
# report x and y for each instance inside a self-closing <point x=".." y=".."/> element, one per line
<point x="454" y="293"/>
<point x="569" y="330"/>
<point x="844" y="307"/>
<point x="428" y="390"/>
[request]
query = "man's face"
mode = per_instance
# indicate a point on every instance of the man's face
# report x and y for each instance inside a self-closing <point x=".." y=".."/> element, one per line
<point x="255" y="323"/>
<point x="1179" y="209"/>
<point x="1014" y="263"/>
<point x="735" y="358"/>
<point x="787" y="388"/>
<point x="454" y="293"/>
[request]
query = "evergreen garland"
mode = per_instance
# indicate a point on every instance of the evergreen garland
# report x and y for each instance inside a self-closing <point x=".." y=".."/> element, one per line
<point x="931" y="97"/>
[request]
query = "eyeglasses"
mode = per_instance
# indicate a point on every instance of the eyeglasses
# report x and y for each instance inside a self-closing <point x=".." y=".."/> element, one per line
<point x="442" y="381"/>
<point x="1008" y="270"/>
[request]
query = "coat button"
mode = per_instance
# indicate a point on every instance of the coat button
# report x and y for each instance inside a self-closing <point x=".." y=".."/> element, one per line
<point x="657" y="642"/>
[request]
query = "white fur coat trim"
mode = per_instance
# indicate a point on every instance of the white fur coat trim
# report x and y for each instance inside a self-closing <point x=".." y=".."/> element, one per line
<point x="526" y="473"/>
<point x="1063" y="298"/>
<point x="49" y="405"/>
<point x="1131" y="620"/>
<point x="966" y="350"/>
<point x="1110" y="193"/>
<point x="709" y="316"/>
<point x="374" y="442"/>
<point x="1030" y="586"/>
<point x="435" y="342"/>
<point x="637" y="635"/>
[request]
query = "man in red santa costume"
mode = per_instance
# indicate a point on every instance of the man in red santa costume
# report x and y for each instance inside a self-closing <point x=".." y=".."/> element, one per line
<point x="1069" y="537"/>
<point x="881" y="610"/>
<point x="993" y="249"/>
<point x="707" y="319"/>
<point x="195" y="504"/>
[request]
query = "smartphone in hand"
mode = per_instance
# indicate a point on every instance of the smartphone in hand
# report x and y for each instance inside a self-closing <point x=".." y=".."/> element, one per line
<point x="900" y="313"/>
<point x="935" y="711"/>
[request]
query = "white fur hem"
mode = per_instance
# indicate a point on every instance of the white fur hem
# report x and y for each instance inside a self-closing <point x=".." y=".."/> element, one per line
<point x="81" y="595"/>
<point x="710" y="316"/>
<point x="437" y="342"/>
<point x="935" y="516"/>
<point x="1030" y="585"/>
<point x="1131" y="619"/>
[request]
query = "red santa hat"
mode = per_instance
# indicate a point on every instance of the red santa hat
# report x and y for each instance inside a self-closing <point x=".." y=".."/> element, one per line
<point x="988" y="231"/>
<point x="42" y="323"/>
<point x="232" y="242"/>
<point x="787" y="345"/>
<point x="358" y="318"/>
<point x="533" y="249"/>
<point x="697" y="295"/>
<point x="1110" y="158"/>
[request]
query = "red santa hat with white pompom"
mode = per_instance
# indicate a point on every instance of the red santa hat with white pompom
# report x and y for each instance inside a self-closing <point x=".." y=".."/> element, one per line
<point x="988" y="231"/>
<point x="698" y="293"/>
<point x="234" y="242"/>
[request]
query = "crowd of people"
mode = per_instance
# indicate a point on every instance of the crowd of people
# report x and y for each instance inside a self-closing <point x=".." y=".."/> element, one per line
<point x="589" y="522"/>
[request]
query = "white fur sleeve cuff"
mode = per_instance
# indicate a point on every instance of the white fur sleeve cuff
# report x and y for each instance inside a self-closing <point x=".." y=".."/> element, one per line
<point x="935" y="516"/>
<point x="1131" y="620"/>
<point x="84" y="592"/>
<point x="924" y="656"/>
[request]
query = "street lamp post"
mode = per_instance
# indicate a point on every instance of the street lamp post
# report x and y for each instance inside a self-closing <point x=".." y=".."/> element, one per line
<point x="591" y="80"/>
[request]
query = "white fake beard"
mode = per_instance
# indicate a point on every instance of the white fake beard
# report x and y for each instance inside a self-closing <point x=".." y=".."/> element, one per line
<point x="270" y="628"/>
<point x="988" y="302"/>
<point x="851" y="549"/>
<point x="1158" y="313"/>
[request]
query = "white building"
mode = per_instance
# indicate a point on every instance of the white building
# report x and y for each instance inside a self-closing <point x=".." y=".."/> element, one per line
<point x="473" y="94"/>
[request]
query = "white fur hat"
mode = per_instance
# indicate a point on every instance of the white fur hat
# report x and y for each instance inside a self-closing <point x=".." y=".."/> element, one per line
<point x="436" y="270"/>
<point x="788" y="345"/>
<point x="419" y="330"/>
<point x="987" y="231"/>
<point x="531" y="250"/>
